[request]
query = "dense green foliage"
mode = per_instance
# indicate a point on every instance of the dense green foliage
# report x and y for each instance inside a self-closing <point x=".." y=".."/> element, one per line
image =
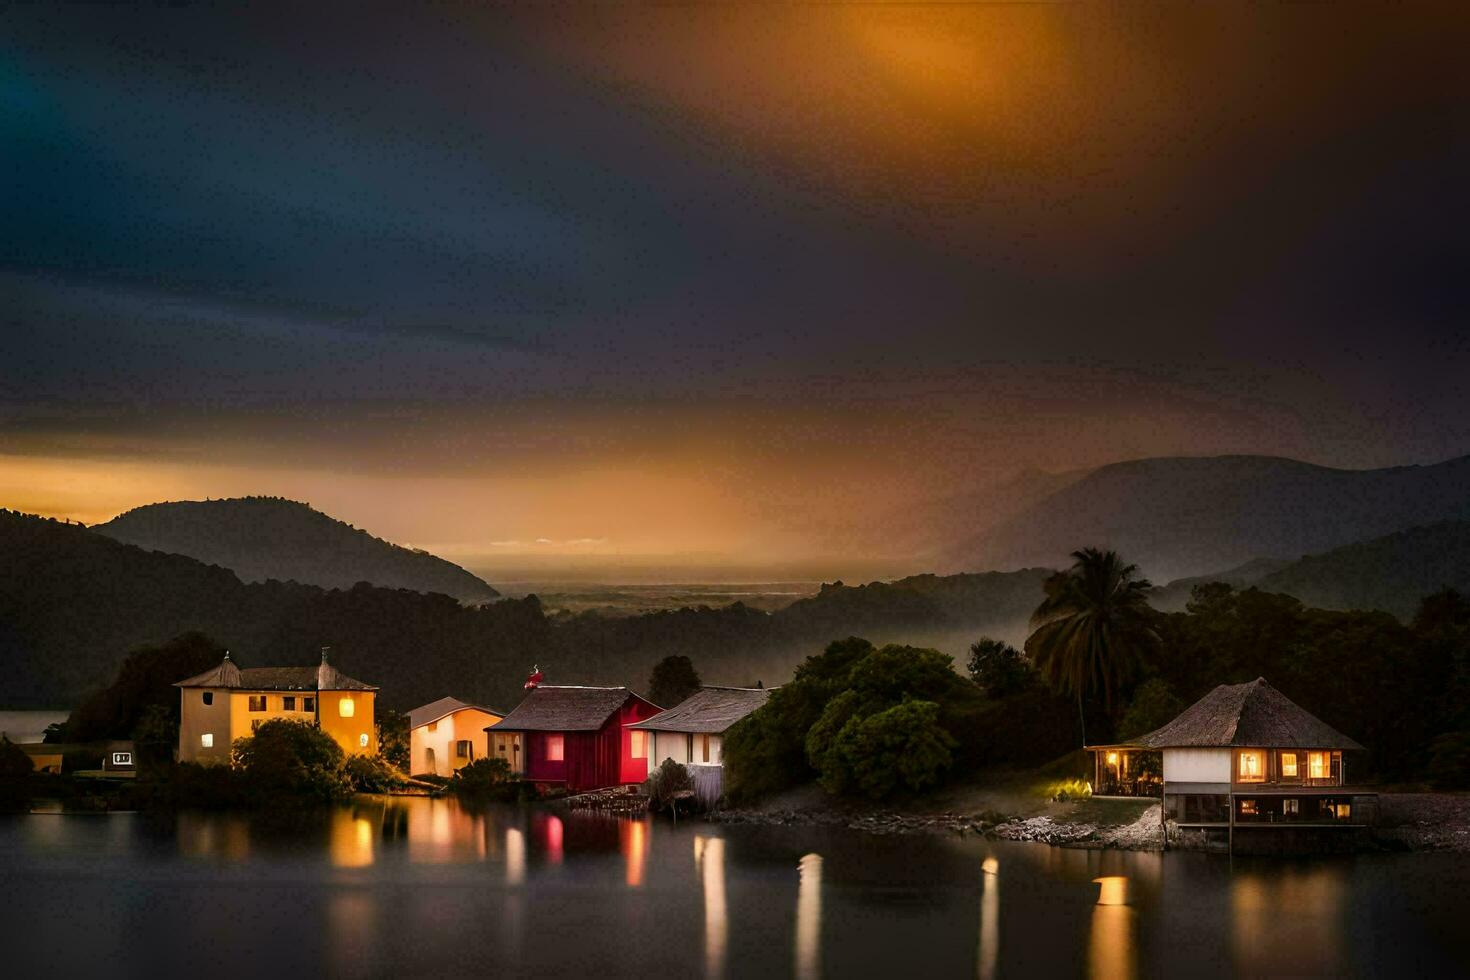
<point x="999" y="668"/>
<point x="372" y="774"/>
<point x="290" y="762"/>
<point x="145" y="681"/>
<point x="393" y="737"/>
<point x="673" y="679"/>
<point x="899" y="749"/>
<point x="1154" y="705"/>
<point x="487" y="780"/>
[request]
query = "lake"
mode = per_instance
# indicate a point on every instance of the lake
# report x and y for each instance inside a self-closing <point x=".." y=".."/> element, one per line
<point x="418" y="887"/>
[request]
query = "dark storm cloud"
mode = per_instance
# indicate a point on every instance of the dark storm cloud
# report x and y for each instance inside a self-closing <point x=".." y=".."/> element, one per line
<point x="960" y="237"/>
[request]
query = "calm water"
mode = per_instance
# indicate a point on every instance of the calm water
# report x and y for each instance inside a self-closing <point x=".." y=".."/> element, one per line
<point x="417" y="887"/>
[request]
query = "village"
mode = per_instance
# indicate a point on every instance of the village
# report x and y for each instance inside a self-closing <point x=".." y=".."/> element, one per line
<point x="1244" y="769"/>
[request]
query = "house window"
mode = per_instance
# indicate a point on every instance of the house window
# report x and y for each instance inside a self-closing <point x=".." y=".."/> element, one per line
<point x="122" y="758"/>
<point x="640" y="745"/>
<point x="346" y="708"/>
<point x="288" y="704"/>
<point x="555" y="748"/>
<point x="257" y="702"/>
<point x="308" y="704"/>
<point x="208" y="697"/>
<point x="1252" y="766"/>
<point x="207" y="740"/>
<point x="704" y="747"/>
<point x="362" y="740"/>
<point x="1248" y="808"/>
<point x="1291" y="806"/>
<point x="462" y="749"/>
<point x="433" y="726"/>
<point x="1318" y="765"/>
<point x="1288" y="764"/>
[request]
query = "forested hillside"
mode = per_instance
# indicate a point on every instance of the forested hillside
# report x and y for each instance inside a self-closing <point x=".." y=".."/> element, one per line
<point x="263" y="538"/>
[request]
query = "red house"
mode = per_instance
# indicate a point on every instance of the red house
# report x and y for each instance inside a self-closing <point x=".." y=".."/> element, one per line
<point x="577" y="736"/>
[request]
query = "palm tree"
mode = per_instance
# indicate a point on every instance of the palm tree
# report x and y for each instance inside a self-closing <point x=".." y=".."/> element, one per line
<point x="1089" y="631"/>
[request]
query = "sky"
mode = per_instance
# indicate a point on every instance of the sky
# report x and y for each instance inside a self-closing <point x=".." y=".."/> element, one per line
<point x="723" y="281"/>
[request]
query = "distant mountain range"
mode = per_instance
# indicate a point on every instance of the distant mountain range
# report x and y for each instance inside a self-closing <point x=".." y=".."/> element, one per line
<point x="73" y="602"/>
<point x="262" y="538"/>
<point x="1178" y="517"/>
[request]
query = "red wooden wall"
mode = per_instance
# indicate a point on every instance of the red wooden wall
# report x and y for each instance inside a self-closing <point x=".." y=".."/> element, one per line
<point x="593" y="760"/>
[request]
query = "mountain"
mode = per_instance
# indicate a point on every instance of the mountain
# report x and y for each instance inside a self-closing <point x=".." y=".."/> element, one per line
<point x="1185" y="516"/>
<point x="1174" y="596"/>
<point x="73" y="603"/>
<point x="261" y="538"/>
<point x="1392" y="572"/>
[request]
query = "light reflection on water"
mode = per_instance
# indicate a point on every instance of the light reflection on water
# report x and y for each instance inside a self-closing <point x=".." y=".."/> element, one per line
<point x="423" y="887"/>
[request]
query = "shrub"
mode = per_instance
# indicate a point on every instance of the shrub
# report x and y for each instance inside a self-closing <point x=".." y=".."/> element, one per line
<point x="291" y="762"/>
<point x="487" y="779"/>
<point x="664" y="782"/>
<point x="903" y="749"/>
<point x="393" y="738"/>
<point x="1449" y="761"/>
<point x="372" y="774"/>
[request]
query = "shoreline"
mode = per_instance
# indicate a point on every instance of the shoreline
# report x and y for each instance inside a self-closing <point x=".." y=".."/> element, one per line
<point x="1410" y="822"/>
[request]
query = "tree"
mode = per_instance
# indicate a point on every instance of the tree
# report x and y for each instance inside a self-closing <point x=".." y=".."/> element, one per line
<point x="1093" y="627"/>
<point x="1154" y="705"/>
<point x="899" y="749"/>
<point x="146" y="679"/>
<point x="393" y="738"/>
<point x="999" y="668"/>
<point x="665" y="782"/>
<point x="673" y="679"/>
<point x="291" y="762"/>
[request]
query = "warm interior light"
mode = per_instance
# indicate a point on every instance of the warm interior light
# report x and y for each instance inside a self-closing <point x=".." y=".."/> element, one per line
<point x="207" y="740"/>
<point x="555" y="748"/>
<point x="1112" y="758"/>
<point x="1288" y="763"/>
<point x="346" y="708"/>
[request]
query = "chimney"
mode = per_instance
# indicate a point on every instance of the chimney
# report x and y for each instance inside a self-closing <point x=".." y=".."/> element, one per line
<point x="325" y="651"/>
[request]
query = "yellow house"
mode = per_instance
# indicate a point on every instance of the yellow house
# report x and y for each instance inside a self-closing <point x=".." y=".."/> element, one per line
<point x="226" y="703"/>
<point x="448" y="734"/>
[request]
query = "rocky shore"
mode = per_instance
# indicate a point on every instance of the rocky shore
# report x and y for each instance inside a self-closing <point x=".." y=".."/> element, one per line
<point x="1143" y="834"/>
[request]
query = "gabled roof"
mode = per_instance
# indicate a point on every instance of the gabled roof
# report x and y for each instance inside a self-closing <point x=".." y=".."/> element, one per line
<point x="323" y="677"/>
<point x="554" y="708"/>
<point x="710" y="709"/>
<point x="443" y="708"/>
<point x="1247" y="715"/>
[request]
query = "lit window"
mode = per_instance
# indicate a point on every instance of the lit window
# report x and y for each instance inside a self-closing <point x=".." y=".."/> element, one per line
<point x="207" y="740"/>
<point x="1251" y="766"/>
<point x="640" y="745"/>
<point x="1344" y="811"/>
<point x="257" y="702"/>
<point x="1317" y="765"/>
<point x="122" y="758"/>
<point x="433" y="726"/>
<point x="1288" y="763"/>
<point x="1248" y="808"/>
<point x="362" y="740"/>
<point x="555" y="748"/>
<point x="461" y="748"/>
<point x="1291" y="806"/>
<point x="208" y="697"/>
<point x="288" y="704"/>
<point x="346" y="708"/>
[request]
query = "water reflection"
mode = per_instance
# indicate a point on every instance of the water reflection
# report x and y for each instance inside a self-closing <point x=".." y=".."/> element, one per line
<point x="809" y="918"/>
<point x="709" y="861"/>
<point x="352" y="926"/>
<point x="989" y="917"/>
<point x="1110" y="945"/>
<point x="1287" y="918"/>
<point x="351" y="839"/>
<point x="632" y="836"/>
<point x="515" y="856"/>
